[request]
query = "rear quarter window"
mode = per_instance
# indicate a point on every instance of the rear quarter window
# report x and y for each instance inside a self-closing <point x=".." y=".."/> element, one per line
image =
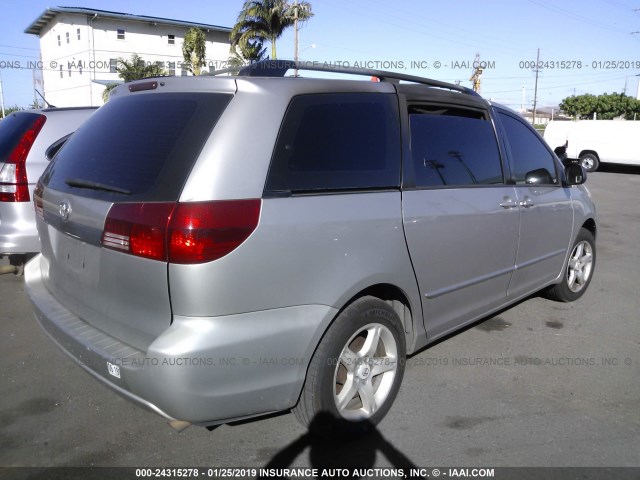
<point x="333" y="142"/>
<point x="145" y="145"/>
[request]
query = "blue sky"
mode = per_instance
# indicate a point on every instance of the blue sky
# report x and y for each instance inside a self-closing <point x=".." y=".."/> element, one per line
<point x="412" y="36"/>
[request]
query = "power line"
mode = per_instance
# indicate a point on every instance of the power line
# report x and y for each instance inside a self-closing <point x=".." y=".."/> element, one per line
<point x="16" y="55"/>
<point x="19" y="48"/>
<point x="574" y="16"/>
<point x="451" y="39"/>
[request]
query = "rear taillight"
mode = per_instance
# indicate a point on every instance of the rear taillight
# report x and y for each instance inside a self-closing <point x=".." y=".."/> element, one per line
<point x="185" y="233"/>
<point x="14" y="185"/>
<point x="138" y="228"/>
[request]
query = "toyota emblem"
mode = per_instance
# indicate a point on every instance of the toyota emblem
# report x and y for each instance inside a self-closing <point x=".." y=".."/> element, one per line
<point x="64" y="210"/>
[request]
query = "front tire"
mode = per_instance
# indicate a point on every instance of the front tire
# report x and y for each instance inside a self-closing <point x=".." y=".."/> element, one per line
<point x="589" y="162"/>
<point x="578" y="270"/>
<point x="356" y="371"/>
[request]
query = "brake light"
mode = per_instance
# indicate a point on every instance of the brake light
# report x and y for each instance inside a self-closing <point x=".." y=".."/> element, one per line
<point x="184" y="233"/>
<point x="14" y="185"/>
<point x="138" y="228"/>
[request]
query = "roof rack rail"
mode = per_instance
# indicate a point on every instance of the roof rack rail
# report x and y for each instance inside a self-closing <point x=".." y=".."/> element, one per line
<point x="279" y="68"/>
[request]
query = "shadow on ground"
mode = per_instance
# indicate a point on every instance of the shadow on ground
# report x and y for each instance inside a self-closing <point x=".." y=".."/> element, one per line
<point x="339" y="444"/>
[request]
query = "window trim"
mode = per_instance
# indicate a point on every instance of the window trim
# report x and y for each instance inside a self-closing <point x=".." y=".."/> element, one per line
<point x="503" y="135"/>
<point x="409" y="182"/>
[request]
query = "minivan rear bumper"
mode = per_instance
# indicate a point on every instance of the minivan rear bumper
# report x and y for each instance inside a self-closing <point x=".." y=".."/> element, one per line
<point x="203" y="370"/>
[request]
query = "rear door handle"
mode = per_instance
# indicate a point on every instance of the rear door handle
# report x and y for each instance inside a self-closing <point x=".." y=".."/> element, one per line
<point x="508" y="202"/>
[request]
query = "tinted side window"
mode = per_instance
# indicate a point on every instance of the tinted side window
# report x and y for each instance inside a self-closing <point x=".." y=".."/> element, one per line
<point x="337" y="142"/>
<point x="453" y="147"/>
<point x="532" y="161"/>
<point x="145" y="145"/>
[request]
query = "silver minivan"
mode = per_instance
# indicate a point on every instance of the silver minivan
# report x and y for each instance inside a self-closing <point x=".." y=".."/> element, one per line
<point x="221" y="247"/>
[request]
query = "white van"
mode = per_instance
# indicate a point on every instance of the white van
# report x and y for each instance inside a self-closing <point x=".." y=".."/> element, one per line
<point x="596" y="141"/>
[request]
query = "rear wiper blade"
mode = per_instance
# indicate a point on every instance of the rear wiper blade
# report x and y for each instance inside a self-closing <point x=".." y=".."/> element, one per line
<point x="80" y="183"/>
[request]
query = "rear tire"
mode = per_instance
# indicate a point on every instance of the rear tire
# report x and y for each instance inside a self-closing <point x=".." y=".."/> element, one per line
<point x="19" y="260"/>
<point x="578" y="270"/>
<point x="589" y="162"/>
<point x="356" y="371"/>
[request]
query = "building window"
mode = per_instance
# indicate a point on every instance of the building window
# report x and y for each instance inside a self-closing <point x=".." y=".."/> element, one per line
<point x="171" y="39"/>
<point x="113" y="65"/>
<point x="121" y="34"/>
<point x="183" y="69"/>
<point x="67" y="35"/>
<point x="172" y="68"/>
<point x="59" y="42"/>
<point x="78" y="32"/>
<point x="61" y="74"/>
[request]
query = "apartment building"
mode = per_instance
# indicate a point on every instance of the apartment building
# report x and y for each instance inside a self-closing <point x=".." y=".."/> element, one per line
<point x="79" y="49"/>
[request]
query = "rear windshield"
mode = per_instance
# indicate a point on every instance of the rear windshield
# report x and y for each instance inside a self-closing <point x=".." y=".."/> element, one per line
<point x="138" y="147"/>
<point x="12" y="129"/>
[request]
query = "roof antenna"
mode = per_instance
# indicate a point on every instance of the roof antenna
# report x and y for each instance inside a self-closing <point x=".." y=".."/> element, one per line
<point x="44" y="99"/>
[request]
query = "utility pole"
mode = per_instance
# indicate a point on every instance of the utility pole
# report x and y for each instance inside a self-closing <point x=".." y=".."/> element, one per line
<point x="535" y="93"/>
<point x="1" y="96"/>
<point x="33" y="80"/>
<point x="295" y="35"/>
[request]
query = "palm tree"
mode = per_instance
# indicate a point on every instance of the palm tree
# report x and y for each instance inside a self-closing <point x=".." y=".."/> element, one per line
<point x="137" y="68"/>
<point x="245" y="53"/>
<point x="134" y="69"/>
<point x="266" y="20"/>
<point x="194" y="50"/>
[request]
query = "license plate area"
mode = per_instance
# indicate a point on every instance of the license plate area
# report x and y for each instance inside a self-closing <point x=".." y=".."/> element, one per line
<point x="75" y="258"/>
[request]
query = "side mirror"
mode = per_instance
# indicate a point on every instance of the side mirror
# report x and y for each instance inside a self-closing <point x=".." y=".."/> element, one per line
<point x="541" y="176"/>
<point x="575" y="174"/>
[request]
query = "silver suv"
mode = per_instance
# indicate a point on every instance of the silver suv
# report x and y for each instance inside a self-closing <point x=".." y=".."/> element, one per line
<point x="216" y="248"/>
<point x="26" y="138"/>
